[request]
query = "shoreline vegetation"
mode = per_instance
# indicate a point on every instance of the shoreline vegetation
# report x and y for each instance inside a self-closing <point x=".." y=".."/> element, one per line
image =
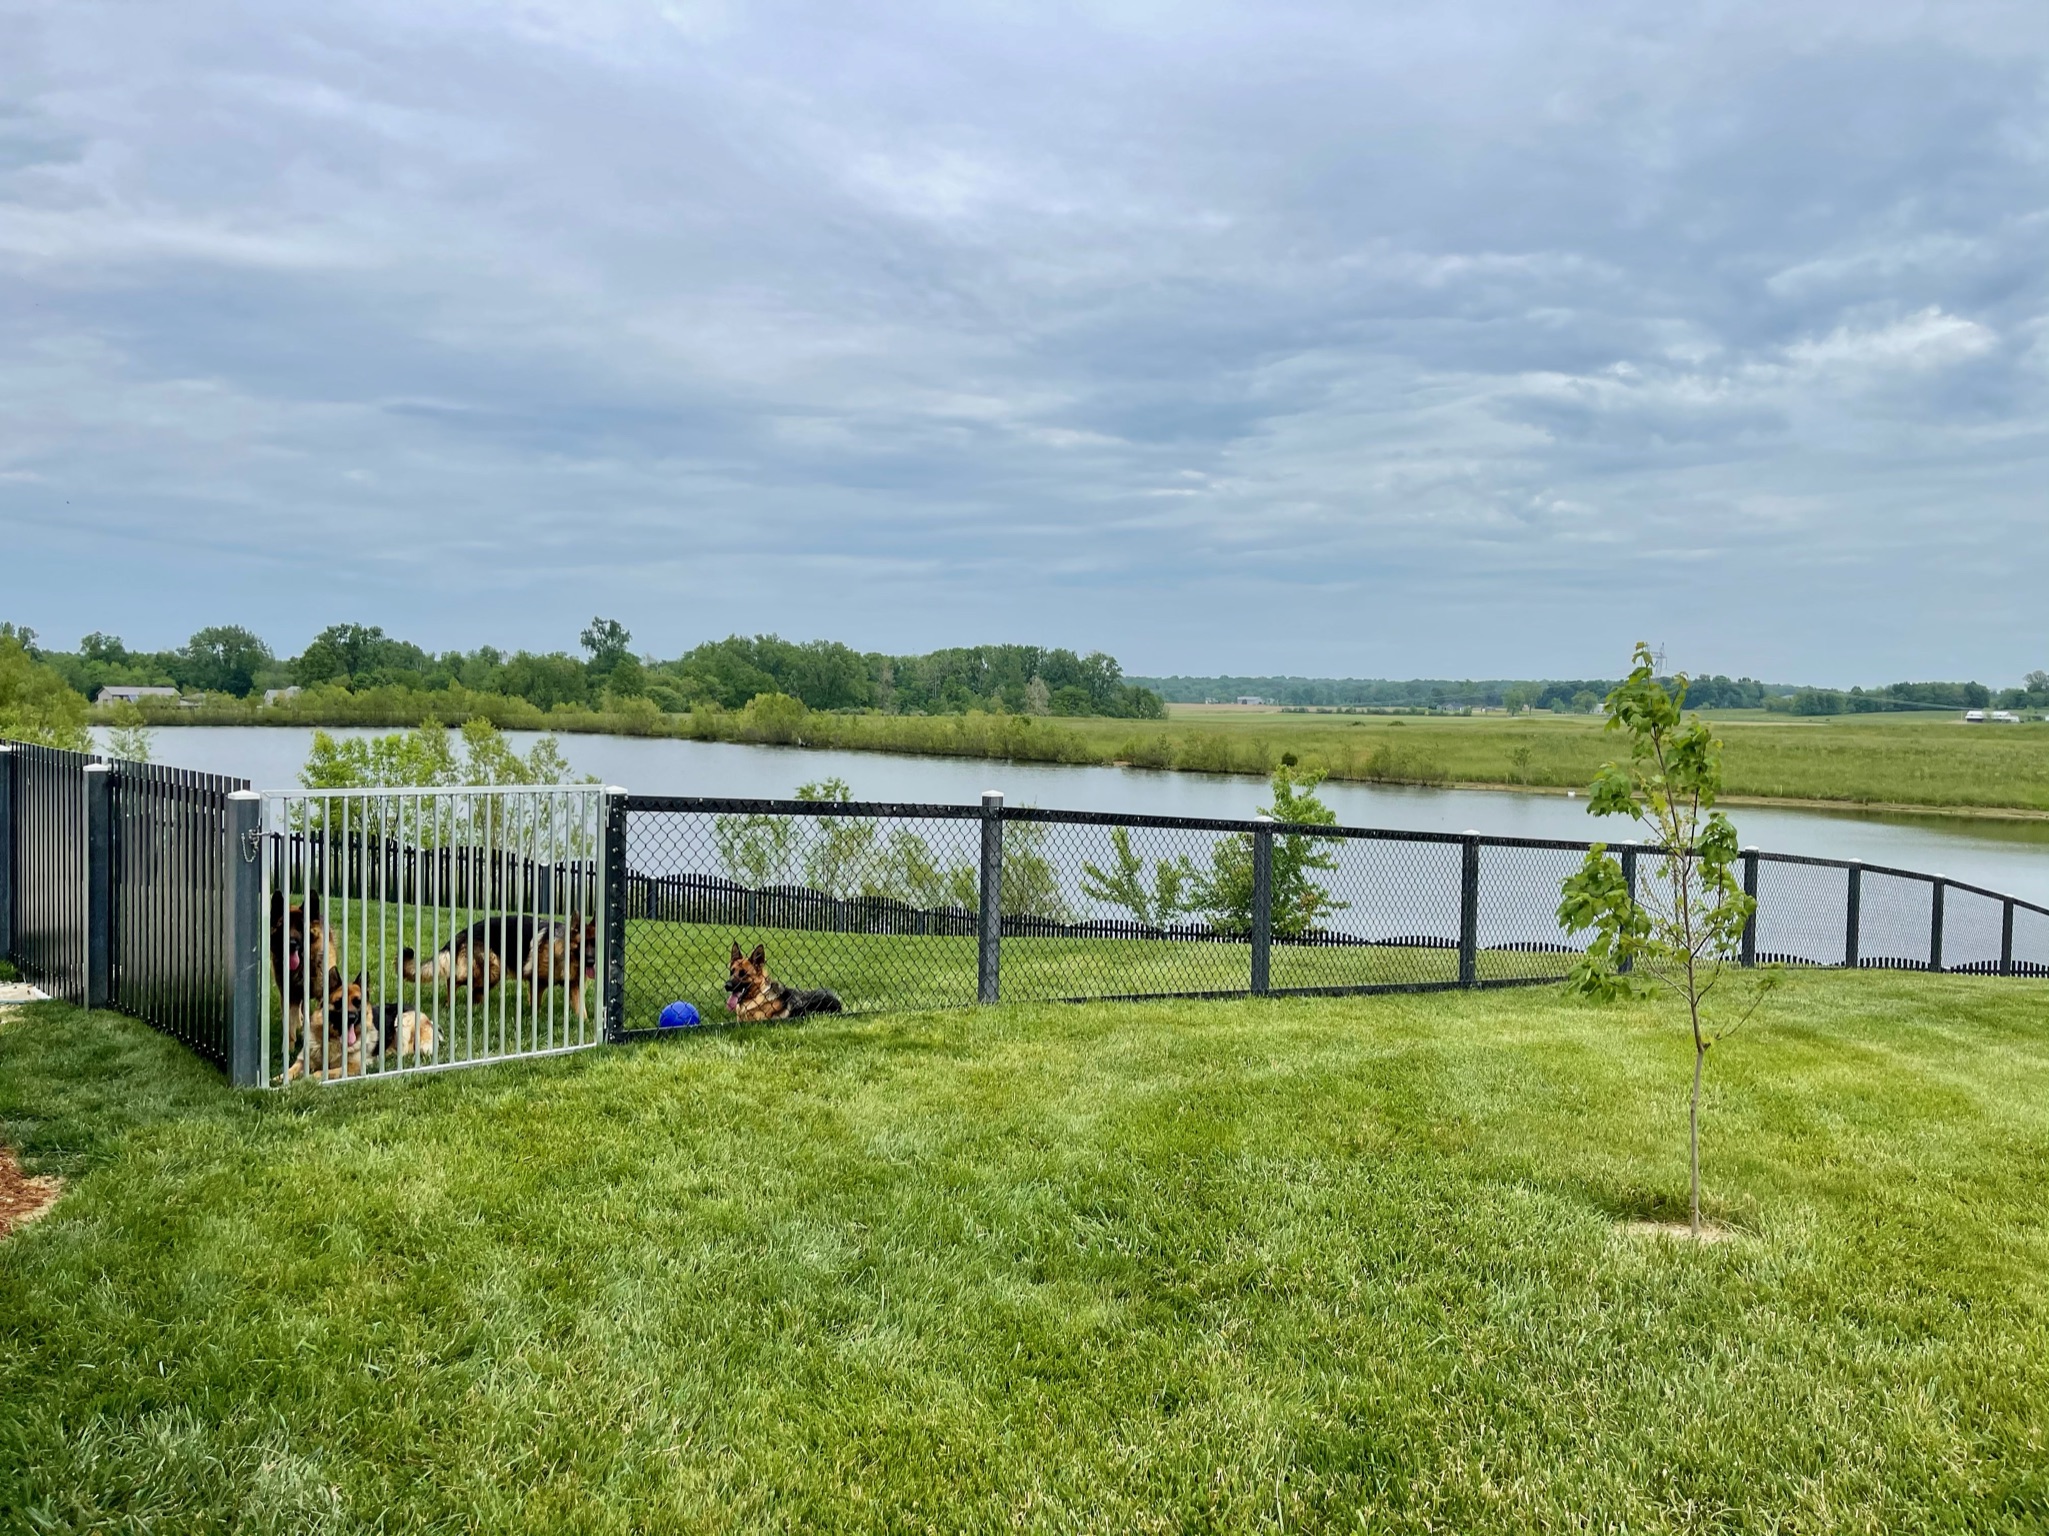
<point x="1904" y="764"/>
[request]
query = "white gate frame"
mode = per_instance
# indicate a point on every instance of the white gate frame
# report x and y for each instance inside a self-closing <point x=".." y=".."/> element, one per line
<point x="524" y="871"/>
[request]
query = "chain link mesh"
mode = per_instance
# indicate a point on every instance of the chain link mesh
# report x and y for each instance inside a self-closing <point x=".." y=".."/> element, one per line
<point x="2030" y="942"/>
<point x="1895" y="922"/>
<point x="1803" y="913"/>
<point x="1518" y="937"/>
<point x="1091" y="910"/>
<point x="879" y="909"/>
<point x="881" y="905"/>
<point x="1971" y="931"/>
<point x="1393" y="922"/>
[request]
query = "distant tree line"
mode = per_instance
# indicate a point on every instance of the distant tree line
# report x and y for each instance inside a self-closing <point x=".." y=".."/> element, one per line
<point x="1583" y="695"/>
<point x="1565" y="695"/>
<point x="2032" y="694"/>
<point x="723" y="674"/>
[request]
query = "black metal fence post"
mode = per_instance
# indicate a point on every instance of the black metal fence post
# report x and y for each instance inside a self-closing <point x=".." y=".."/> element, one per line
<point x="2006" y="938"/>
<point x="99" y="885"/>
<point x="6" y="852"/>
<point x="615" y="913"/>
<point x="989" y="932"/>
<point x="1749" y="950"/>
<point x="1935" y="925"/>
<point x="1469" y="912"/>
<point x="242" y="907"/>
<point x="1262" y="905"/>
<point x="1853" y="919"/>
<point x="1629" y="885"/>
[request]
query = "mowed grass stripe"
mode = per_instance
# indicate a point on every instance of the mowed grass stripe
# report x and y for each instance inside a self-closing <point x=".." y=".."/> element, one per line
<point x="1307" y="1264"/>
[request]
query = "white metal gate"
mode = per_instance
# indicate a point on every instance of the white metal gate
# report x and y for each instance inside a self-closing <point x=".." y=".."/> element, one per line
<point x="409" y="930"/>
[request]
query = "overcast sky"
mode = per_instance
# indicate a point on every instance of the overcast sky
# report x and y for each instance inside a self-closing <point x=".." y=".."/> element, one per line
<point x="1390" y="340"/>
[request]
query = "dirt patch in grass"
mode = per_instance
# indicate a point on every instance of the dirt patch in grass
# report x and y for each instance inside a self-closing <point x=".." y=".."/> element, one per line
<point x="23" y="1198"/>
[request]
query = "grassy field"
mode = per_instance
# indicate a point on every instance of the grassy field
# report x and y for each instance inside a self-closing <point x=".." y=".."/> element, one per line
<point x="1927" y="760"/>
<point x="1355" y="1265"/>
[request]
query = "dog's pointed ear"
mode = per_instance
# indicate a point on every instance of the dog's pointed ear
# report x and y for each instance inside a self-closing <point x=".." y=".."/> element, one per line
<point x="760" y="955"/>
<point x="736" y="953"/>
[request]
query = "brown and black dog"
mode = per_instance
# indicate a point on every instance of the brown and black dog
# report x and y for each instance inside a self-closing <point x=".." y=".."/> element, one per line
<point x="361" y="1038"/>
<point x="755" y="997"/>
<point x="306" y="977"/>
<point x="535" y="952"/>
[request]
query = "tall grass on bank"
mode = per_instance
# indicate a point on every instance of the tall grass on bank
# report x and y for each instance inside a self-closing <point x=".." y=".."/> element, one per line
<point x="1260" y="1266"/>
<point x="1908" y="761"/>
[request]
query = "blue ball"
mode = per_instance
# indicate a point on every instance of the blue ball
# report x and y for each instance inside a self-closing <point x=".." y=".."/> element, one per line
<point x="680" y="1016"/>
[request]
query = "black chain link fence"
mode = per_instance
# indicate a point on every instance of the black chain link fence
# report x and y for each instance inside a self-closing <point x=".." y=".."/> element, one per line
<point x="883" y="905"/>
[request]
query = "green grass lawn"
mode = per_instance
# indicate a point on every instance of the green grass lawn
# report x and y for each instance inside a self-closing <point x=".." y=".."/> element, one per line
<point x="870" y="972"/>
<point x="1321" y="1265"/>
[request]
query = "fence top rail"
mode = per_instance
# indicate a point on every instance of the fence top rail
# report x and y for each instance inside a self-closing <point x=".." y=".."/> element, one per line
<point x="128" y="769"/>
<point x="1896" y="873"/>
<point x="726" y="806"/>
<point x="730" y="806"/>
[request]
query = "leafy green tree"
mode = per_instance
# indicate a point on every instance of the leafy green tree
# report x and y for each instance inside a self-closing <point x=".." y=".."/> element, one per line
<point x="754" y="850"/>
<point x="774" y="717"/>
<point x="129" y="736"/>
<point x="337" y="654"/>
<point x="1156" y="900"/>
<point x="426" y="757"/>
<point x="1031" y="881"/>
<point x="545" y="681"/>
<point x="222" y="658"/>
<point x="608" y="642"/>
<point x="841" y="858"/>
<point x="36" y="704"/>
<point x="1683" y="927"/>
<point x="1225" y="892"/>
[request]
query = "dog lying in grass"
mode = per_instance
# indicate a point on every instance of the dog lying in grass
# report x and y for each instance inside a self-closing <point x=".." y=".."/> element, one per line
<point x="755" y="997"/>
<point x="360" y="1039"/>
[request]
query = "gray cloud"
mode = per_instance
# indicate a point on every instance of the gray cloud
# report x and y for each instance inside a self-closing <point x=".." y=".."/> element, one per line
<point x="1281" y="337"/>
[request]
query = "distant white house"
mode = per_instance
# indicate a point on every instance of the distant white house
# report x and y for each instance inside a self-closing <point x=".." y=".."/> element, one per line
<point x="1252" y="698"/>
<point x="126" y="693"/>
<point x="272" y="695"/>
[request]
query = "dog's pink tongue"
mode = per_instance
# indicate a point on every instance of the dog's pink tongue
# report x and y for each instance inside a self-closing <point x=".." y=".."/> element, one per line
<point x="292" y="964"/>
<point x="732" y="1003"/>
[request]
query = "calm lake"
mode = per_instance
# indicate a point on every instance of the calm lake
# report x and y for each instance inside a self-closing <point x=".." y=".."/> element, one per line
<point x="2007" y="856"/>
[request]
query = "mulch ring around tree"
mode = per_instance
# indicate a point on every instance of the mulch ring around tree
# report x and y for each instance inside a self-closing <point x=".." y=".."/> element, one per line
<point x="23" y="1198"/>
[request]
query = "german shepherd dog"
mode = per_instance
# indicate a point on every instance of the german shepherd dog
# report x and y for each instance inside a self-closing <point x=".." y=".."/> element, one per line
<point x="755" y="997"/>
<point x="300" y="948"/>
<point x="387" y="1029"/>
<point x="359" y="1038"/>
<point x="534" y="952"/>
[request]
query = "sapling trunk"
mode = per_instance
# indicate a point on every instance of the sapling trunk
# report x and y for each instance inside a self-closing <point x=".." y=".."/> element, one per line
<point x="1693" y="1130"/>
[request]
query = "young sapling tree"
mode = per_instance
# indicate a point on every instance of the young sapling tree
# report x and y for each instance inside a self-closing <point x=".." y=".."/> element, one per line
<point x="1681" y="929"/>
